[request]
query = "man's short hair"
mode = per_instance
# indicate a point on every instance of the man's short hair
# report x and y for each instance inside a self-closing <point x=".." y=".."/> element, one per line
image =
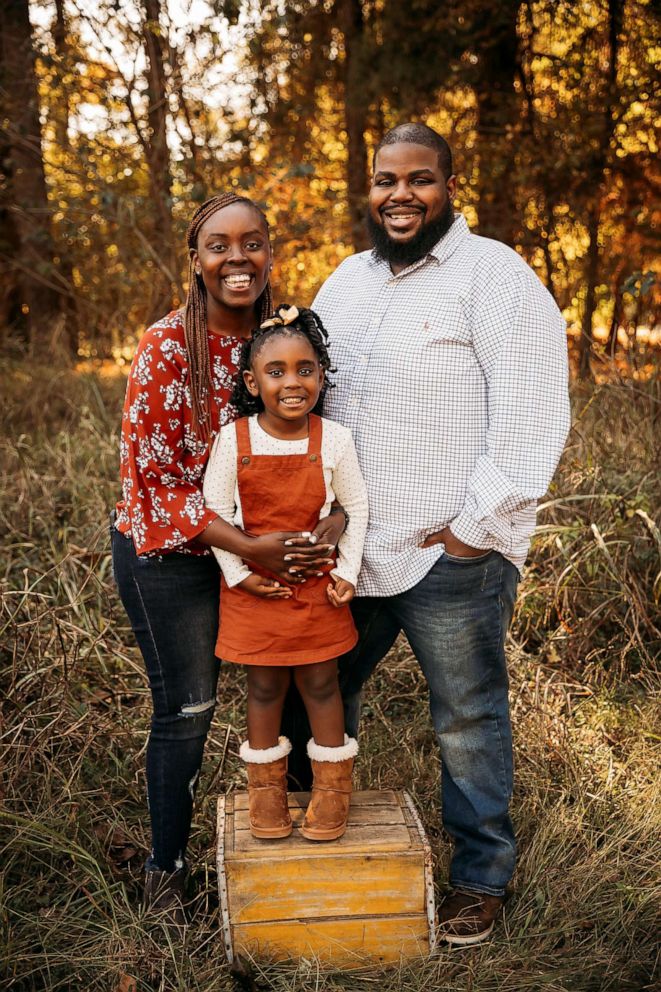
<point x="419" y="134"/>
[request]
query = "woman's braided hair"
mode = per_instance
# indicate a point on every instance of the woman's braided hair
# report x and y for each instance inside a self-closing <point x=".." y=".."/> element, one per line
<point x="195" y="314"/>
<point x="285" y="321"/>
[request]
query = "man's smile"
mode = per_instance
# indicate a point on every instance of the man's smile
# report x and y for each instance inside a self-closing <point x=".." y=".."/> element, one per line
<point x="401" y="218"/>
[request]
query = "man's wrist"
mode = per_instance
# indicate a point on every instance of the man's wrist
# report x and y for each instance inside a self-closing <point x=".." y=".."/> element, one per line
<point x="469" y="532"/>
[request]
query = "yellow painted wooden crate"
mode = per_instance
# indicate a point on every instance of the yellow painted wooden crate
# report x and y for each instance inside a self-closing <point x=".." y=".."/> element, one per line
<point x="367" y="897"/>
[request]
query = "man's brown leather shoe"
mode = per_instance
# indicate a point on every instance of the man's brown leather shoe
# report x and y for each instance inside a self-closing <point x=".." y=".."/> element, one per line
<point x="468" y="917"/>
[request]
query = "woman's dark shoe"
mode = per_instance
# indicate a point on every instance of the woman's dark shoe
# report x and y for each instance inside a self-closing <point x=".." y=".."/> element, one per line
<point x="164" y="897"/>
<point x="468" y="917"/>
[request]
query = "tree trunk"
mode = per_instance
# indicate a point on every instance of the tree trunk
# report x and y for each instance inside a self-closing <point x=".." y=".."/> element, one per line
<point x="355" y="115"/>
<point x="61" y="107"/>
<point x="12" y="321"/>
<point x="158" y="159"/>
<point x="33" y="253"/>
<point x="60" y="111"/>
<point x="498" y="116"/>
<point x="597" y="174"/>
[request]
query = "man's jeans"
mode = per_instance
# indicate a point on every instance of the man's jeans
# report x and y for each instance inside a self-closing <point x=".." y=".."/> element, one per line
<point x="172" y="604"/>
<point x="455" y="620"/>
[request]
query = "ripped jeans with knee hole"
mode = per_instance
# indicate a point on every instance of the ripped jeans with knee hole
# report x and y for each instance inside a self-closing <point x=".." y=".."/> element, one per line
<point x="172" y="605"/>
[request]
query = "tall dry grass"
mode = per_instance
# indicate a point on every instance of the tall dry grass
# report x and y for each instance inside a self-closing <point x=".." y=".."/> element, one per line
<point x="584" y="651"/>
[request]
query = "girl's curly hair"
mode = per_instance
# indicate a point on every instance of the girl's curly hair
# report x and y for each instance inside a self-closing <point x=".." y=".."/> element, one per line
<point x="286" y="321"/>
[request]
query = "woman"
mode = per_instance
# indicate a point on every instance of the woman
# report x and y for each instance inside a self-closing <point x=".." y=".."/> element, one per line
<point x="178" y="396"/>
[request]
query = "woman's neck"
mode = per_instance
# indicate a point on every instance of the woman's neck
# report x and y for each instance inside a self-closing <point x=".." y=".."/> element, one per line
<point x="236" y="322"/>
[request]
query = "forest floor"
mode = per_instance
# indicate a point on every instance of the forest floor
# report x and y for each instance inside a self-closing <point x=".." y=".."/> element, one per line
<point x="583" y="651"/>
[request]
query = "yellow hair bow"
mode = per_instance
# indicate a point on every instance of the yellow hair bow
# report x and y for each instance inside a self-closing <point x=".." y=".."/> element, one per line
<point x="282" y="317"/>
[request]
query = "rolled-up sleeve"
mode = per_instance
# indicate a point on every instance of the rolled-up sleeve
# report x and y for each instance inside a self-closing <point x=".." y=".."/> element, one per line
<point x="519" y="337"/>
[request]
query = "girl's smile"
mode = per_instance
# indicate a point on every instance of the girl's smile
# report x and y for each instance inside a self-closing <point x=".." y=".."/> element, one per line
<point x="286" y="375"/>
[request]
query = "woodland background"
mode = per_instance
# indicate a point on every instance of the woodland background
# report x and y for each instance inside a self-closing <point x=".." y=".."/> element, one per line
<point x="116" y="120"/>
<point x="119" y="118"/>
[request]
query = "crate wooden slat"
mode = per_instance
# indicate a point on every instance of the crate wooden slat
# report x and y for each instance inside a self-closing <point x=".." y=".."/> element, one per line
<point x="367" y="897"/>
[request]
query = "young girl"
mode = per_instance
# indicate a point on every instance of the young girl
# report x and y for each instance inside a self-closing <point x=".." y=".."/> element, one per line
<point x="281" y="467"/>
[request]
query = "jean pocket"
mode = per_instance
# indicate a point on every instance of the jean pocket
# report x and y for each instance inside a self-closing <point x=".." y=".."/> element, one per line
<point x="468" y="559"/>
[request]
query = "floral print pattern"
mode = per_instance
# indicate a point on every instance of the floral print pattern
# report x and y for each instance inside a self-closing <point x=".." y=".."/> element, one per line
<point x="162" y="461"/>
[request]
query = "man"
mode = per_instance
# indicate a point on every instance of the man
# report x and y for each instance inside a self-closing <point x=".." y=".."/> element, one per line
<point x="453" y="379"/>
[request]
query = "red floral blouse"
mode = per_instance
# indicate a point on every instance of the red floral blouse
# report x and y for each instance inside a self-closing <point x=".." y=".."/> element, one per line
<point x="162" y="462"/>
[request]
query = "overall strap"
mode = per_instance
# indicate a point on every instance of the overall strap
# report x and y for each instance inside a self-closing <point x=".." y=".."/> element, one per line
<point x="315" y="432"/>
<point x="243" y="438"/>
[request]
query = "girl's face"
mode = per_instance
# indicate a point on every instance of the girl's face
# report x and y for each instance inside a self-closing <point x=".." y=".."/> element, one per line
<point x="286" y="375"/>
<point x="233" y="256"/>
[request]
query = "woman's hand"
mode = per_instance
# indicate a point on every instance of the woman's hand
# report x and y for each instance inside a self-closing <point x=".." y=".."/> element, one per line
<point x="330" y="529"/>
<point x="272" y="552"/>
<point x="259" y="585"/>
<point x="311" y="551"/>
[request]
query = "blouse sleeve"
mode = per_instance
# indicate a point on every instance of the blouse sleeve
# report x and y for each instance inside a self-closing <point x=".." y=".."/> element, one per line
<point x="162" y="459"/>
<point x="219" y="493"/>
<point x="350" y="490"/>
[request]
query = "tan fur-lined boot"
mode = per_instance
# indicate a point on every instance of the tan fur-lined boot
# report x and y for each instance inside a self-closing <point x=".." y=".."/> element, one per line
<point x="328" y="812"/>
<point x="267" y="789"/>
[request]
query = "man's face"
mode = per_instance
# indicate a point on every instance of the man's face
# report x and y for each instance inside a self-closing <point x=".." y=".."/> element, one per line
<point x="409" y="198"/>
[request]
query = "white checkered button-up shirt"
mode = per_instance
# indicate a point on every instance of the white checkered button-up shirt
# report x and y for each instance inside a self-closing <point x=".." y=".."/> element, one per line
<point x="452" y="376"/>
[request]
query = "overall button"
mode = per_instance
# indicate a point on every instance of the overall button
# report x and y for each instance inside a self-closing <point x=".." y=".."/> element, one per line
<point x="245" y="460"/>
<point x="313" y="458"/>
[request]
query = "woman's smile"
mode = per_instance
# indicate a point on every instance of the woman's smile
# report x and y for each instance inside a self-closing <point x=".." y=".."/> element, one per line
<point x="232" y="257"/>
<point x="238" y="282"/>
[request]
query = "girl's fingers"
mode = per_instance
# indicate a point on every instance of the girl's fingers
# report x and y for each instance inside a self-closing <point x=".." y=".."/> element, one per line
<point x="333" y="596"/>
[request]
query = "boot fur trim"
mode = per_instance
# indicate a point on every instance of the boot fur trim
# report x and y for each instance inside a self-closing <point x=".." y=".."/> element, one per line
<point x="265" y="755"/>
<point x="317" y="752"/>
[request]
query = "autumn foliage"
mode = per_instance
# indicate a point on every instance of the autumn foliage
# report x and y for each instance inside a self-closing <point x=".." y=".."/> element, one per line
<point x="119" y="121"/>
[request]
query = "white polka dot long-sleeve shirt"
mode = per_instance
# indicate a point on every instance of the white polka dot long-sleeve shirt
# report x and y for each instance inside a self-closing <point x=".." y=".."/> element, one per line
<point x="342" y="475"/>
<point x="452" y="376"/>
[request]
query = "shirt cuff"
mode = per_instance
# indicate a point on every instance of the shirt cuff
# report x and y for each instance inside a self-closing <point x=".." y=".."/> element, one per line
<point x="155" y="544"/>
<point x="234" y="570"/>
<point x="344" y="571"/>
<point x="468" y="530"/>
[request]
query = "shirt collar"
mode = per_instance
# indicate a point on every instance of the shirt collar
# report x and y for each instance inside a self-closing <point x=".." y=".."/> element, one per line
<point x="441" y="251"/>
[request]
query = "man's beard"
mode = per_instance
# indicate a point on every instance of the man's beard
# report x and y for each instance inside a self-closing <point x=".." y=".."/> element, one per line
<point x="407" y="252"/>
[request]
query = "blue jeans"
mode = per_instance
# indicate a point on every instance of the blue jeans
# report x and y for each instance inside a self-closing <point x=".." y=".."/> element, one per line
<point x="172" y="604"/>
<point x="455" y="620"/>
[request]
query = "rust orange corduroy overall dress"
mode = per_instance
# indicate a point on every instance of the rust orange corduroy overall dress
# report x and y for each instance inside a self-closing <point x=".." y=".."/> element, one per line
<point x="282" y="492"/>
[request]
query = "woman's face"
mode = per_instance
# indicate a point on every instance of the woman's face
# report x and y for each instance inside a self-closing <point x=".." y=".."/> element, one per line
<point x="233" y="256"/>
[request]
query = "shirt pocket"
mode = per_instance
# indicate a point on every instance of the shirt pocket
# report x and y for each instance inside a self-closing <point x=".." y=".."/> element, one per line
<point x="448" y="339"/>
<point x="446" y="325"/>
